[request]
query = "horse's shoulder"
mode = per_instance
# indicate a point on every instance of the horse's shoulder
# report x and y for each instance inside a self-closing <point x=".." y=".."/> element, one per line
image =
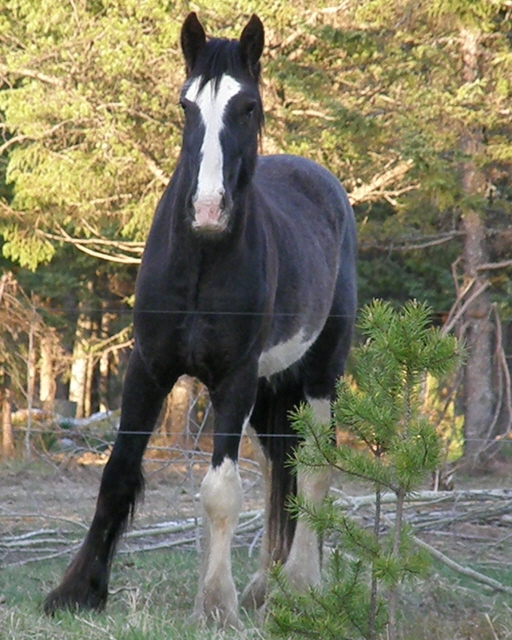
<point x="289" y="163"/>
<point x="295" y="171"/>
<point x="279" y="176"/>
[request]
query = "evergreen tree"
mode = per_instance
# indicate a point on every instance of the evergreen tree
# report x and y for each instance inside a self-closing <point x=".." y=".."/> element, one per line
<point x="383" y="410"/>
<point x="392" y="96"/>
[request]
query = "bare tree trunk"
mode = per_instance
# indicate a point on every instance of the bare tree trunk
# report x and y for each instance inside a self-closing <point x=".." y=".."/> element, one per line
<point x="31" y="379"/>
<point x="89" y="379"/>
<point x="7" y="433"/>
<point x="47" y="382"/>
<point x="104" y="365"/>
<point x="104" y="373"/>
<point x="478" y="376"/>
<point x="79" y="365"/>
<point x="176" y="414"/>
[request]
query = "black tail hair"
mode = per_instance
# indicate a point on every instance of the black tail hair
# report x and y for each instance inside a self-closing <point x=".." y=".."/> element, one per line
<point x="271" y="420"/>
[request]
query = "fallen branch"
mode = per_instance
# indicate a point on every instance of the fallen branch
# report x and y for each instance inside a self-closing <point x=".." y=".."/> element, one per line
<point x="20" y="544"/>
<point x="480" y="515"/>
<point x="50" y="556"/>
<point x="253" y="525"/>
<point x="465" y="571"/>
<point x="249" y="521"/>
<point x="30" y="534"/>
<point x="188" y="525"/>
<point x="429" y="497"/>
<point x="16" y="516"/>
<point x="158" y="545"/>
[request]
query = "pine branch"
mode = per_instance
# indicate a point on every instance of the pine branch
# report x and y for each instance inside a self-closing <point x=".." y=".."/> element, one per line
<point x="32" y="73"/>
<point x="82" y="244"/>
<point x="373" y="190"/>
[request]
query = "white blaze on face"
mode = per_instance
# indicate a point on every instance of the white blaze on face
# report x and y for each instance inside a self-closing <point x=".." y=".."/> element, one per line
<point x="212" y="101"/>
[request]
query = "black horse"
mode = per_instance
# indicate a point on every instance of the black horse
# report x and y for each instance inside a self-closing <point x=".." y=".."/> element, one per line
<point x="247" y="282"/>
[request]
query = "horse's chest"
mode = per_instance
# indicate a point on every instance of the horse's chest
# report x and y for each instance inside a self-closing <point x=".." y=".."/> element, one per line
<point x="207" y="343"/>
<point x="197" y="336"/>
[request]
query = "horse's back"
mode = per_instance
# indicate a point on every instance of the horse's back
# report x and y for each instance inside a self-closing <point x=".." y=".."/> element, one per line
<point x="303" y="189"/>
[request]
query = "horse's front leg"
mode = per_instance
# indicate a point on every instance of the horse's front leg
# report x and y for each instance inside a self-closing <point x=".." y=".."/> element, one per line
<point x="85" y="583"/>
<point x="221" y="498"/>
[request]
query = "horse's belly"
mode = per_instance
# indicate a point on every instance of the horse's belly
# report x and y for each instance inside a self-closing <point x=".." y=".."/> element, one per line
<point x="284" y="354"/>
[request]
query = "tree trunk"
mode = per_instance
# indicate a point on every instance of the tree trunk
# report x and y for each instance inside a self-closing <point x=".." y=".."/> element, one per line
<point x="79" y="365"/>
<point x="478" y="375"/>
<point x="104" y="363"/>
<point x="7" y="433"/>
<point x="31" y="380"/>
<point x="104" y="375"/>
<point x="47" y="382"/>
<point x="89" y="385"/>
<point x="176" y="414"/>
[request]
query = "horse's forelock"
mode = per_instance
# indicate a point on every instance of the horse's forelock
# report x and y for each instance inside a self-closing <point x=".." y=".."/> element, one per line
<point x="221" y="57"/>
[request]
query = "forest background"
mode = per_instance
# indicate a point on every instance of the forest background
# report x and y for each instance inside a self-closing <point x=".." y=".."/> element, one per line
<point x="407" y="102"/>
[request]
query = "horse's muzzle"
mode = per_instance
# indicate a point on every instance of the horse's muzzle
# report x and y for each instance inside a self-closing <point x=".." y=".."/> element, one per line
<point x="211" y="213"/>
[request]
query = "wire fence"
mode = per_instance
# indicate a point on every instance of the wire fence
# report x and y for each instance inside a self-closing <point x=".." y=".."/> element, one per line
<point x="34" y="528"/>
<point x="45" y="511"/>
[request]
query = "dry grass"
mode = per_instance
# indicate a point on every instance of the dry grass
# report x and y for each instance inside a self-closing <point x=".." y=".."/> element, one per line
<point x="443" y="608"/>
<point x="152" y="598"/>
<point x="153" y="592"/>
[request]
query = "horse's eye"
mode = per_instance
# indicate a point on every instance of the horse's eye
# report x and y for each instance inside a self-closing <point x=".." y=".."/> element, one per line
<point x="184" y="105"/>
<point x="249" y="108"/>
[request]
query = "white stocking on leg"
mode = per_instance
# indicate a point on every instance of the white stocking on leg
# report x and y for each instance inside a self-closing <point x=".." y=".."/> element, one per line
<point x="221" y="497"/>
<point x="303" y="564"/>
<point x="255" y="592"/>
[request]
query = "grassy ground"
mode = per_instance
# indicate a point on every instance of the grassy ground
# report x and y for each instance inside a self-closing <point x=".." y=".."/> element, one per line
<point x="153" y="596"/>
<point x="152" y="599"/>
<point x="444" y="607"/>
<point x="153" y="592"/>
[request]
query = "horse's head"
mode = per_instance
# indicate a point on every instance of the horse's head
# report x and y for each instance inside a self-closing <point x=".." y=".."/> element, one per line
<point x="223" y="117"/>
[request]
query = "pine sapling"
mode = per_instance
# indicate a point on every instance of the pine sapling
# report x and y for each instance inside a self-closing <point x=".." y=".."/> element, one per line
<point x="381" y="408"/>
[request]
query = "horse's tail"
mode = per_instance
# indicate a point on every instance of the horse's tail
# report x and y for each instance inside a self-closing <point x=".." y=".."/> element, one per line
<point x="271" y="420"/>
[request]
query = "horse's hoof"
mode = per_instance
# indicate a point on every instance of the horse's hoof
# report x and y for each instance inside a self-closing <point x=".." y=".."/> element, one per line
<point x="255" y="593"/>
<point x="217" y="618"/>
<point x="220" y="616"/>
<point x="73" y="600"/>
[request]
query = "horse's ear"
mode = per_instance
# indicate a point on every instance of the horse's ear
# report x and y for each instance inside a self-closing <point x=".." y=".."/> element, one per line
<point x="251" y="45"/>
<point x="193" y="39"/>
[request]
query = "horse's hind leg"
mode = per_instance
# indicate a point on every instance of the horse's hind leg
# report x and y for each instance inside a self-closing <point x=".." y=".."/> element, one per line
<point x="301" y="559"/>
<point x="273" y="443"/>
<point x="253" y="595"/>
<point x="85" y="583"/>
<point x="303" y="565"/>
<point x="324" y="365"/>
